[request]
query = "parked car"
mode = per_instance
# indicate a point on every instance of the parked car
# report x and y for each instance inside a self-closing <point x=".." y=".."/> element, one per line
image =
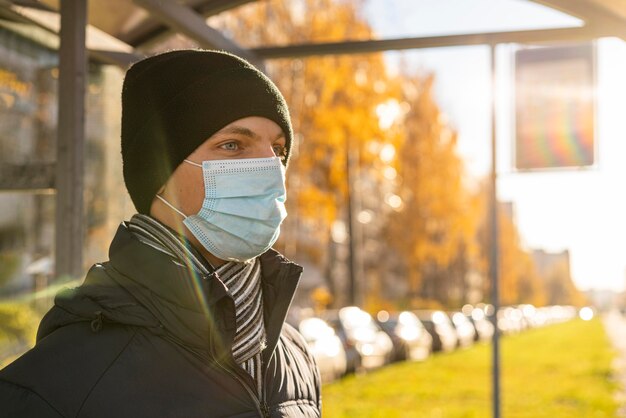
<point x="482" y="324"/>
<point x="510" y="320"/>
<point x="465" y="330"/>
<point x="529" y="315"/>
<point x="411" y="341"/>
<point x="325" y="346"/>
<point x="362" y="334"/>
<point x="438" y="324"/>
<point x="353" y="357"/>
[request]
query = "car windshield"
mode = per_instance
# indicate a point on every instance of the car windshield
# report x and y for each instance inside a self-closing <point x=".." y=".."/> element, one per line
<point x="359" y="324"/>
<point x="313" y="329"/>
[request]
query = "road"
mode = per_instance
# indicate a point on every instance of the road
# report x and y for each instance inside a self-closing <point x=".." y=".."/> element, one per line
<point x="615" y="325"/>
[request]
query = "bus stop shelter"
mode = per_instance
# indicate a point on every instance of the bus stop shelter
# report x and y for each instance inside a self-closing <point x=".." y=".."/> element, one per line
<point x="114" y="32"/>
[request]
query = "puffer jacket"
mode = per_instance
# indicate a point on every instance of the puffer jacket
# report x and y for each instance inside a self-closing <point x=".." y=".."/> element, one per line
<point x="142" y="337"/>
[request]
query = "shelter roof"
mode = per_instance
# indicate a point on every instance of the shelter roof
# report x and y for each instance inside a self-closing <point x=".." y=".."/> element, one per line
<point x="120" y="30"/>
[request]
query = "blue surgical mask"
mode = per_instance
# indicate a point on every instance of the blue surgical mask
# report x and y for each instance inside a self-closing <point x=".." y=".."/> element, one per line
<point x="243" y="207"/>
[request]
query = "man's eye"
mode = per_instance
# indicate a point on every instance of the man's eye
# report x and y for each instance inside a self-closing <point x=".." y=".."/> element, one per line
<point x="230" y="146"/>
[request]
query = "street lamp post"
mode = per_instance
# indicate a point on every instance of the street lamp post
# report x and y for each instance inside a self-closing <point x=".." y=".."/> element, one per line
<point x="355" y="284"/>
<point x="493" y="259"/>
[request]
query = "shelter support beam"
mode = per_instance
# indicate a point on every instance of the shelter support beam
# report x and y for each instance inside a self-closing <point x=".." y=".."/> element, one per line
<point x="150" y="29"/>
<point x="27" y="177"/>
<point x="184" y="20"/>
<point x="361" y="47"/>
<point x="70" y="140"/>
<point x="121" y="59"/>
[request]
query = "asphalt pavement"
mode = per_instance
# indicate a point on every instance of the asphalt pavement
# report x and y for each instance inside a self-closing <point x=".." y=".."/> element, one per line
<point x="615" y="325"/>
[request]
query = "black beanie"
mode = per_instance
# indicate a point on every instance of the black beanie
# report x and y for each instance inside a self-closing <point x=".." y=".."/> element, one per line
<point x="173" y="102"/>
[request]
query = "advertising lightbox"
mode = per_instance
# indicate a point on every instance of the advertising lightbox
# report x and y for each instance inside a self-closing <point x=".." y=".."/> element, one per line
<point x="555" y="107"/>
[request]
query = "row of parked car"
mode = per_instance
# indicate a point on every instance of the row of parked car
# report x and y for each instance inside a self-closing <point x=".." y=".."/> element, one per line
<point x="351" y="340"/>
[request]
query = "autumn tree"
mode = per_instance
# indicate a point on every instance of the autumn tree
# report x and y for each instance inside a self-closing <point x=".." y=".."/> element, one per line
<point x="404" y="177"/>
<point x="559" y="287"/>
<point x="433" y="229"/>
<point x="518" y="279"/>
<point x="333" y="101"/>
<point x="377" y="147"/>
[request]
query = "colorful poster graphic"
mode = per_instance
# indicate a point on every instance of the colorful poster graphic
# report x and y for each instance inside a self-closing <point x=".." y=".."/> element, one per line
<point x="555" y="107"/>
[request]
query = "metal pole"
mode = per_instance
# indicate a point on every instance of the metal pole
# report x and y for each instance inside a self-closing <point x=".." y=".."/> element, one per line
<point x="70" y="140"/>
<point x="493" y="260"/>
<point x="353" y="285"/>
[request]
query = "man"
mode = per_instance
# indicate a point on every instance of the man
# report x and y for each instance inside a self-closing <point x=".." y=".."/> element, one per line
<point x="186" y="319"/>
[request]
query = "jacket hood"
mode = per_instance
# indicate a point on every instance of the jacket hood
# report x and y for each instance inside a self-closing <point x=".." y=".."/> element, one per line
<point x="144" y="287"/>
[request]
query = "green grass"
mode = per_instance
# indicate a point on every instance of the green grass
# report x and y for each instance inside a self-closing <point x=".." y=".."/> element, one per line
<point x="18" y="326"/>
<point x="553" y="372"/>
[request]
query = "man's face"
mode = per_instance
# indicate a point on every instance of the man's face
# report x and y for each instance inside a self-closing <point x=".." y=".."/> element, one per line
<point x="251" y="137"/>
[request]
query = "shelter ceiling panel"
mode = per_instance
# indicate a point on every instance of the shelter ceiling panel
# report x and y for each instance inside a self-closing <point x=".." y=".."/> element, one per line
<point x="132" y="24"/>
<point x="115" y="17"/>
<point x="618" y="7"/>
<point x="606" y="16"/>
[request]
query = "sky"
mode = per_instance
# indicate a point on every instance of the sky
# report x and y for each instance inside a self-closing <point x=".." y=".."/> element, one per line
<point x="583" y="211"/>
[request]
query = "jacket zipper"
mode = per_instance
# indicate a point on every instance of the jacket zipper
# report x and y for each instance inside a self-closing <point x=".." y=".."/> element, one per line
<point x="264" y="406"/>
<point x="261" y="407"/>
<point x="260" y="402"/>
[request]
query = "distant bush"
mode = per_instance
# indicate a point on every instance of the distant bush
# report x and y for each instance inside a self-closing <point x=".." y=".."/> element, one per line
<point x="9" y="262"/>
<point x="18" y="327"/>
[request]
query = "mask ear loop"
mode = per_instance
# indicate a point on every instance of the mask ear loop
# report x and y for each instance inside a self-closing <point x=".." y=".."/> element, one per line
<point x="168" y="203"/>
<point x="192" y="163"/>
<point x="171" y="206"/>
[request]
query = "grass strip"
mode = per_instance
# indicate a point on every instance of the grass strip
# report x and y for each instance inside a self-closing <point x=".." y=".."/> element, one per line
<point x="562" y="370"/>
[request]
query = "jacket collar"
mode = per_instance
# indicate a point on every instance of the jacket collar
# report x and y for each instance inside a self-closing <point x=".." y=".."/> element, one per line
<point x="280" y="278"/>
<point x="195" y="308"/>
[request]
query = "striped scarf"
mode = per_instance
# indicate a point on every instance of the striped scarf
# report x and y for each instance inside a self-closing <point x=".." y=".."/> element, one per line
<point x="243" y="281"/>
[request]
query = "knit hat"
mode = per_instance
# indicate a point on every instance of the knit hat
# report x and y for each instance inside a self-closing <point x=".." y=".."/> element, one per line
<point x="173" y="102"/>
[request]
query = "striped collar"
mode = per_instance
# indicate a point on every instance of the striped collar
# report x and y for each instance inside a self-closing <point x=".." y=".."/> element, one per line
<point x="243" y="281"/>
<point x="163" y="238"/>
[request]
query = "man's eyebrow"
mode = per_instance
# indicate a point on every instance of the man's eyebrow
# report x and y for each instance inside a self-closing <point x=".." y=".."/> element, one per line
<point x="238" y="130"/>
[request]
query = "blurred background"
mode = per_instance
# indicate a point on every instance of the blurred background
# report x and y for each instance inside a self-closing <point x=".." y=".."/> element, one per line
<point x="394" y="107"/>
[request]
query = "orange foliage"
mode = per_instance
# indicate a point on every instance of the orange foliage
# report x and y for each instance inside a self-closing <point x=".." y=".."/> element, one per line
<point x="517" y="277"/>
<point x="332" y="99"/>
<point x="437" y="220"/>
<point x="436" y="231"/>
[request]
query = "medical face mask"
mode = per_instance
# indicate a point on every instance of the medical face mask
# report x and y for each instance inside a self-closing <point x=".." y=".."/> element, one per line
<point x="243" y="207"/>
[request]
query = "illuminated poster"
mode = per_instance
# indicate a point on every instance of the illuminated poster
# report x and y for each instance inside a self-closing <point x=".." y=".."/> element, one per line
<point x="554" y="107"/>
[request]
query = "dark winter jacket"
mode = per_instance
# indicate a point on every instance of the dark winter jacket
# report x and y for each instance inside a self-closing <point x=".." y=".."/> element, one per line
<point x="141" y="337"/>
